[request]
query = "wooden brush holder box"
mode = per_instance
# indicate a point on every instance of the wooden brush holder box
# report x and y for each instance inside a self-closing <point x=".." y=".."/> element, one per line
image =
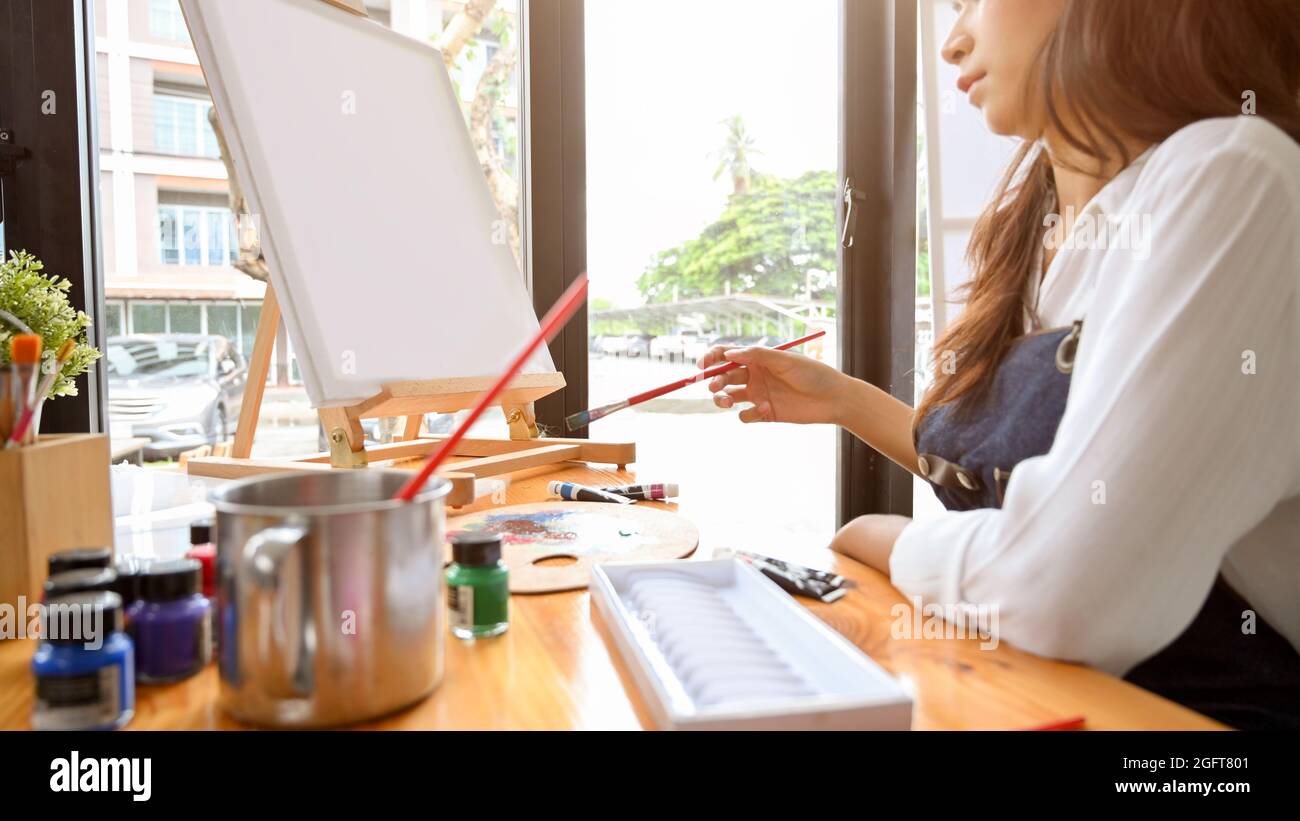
<point x="54" y="495"/>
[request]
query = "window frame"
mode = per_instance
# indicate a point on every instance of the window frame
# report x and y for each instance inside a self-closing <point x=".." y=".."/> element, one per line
<point x="205" y="241"/>
<point x="877" y="296"/>
<point x="50" y="48"/>
<point x="553" y="161"/>
<point x="203" y="134"/>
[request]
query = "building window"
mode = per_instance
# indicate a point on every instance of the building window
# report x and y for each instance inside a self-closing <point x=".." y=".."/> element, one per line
<point x="193" y="235"/>
<point x="185" y="318"/>
<point x="113" y="319"/>
<point x="166" y="21"/>
<point x="223" y="320"/>
<point x="148" y="317"/>
<point x="236" y="321"/>
<point x="180" y="126"/>
<point x="249" y="313"/>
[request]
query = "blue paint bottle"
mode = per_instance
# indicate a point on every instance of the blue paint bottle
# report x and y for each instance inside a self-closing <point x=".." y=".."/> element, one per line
<point x="85" y="664"/>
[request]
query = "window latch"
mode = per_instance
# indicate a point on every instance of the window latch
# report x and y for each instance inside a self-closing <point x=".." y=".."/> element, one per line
<point x="850" y="195"/>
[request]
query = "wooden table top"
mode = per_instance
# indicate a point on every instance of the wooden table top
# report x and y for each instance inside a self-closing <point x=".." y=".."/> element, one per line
<point x="556" y="667"/>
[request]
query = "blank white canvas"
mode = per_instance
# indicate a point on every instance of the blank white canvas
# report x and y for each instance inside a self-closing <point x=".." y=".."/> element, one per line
<point x="374" y="216"/>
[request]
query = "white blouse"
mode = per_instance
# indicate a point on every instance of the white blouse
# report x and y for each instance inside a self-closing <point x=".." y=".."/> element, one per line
<point x="1178" y="455"/>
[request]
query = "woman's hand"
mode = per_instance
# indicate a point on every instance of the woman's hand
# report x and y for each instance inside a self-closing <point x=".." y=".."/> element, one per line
<point x="783" y="386"/>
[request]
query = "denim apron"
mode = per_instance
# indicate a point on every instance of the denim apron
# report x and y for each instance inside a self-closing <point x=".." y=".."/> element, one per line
<point x="968" y="455"/>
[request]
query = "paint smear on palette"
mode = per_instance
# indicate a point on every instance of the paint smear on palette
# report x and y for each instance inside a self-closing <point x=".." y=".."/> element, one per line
<point x="572" y="529"/>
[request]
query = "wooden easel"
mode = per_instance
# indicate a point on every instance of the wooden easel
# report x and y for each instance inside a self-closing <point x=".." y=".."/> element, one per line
<point x="411" y="399"/>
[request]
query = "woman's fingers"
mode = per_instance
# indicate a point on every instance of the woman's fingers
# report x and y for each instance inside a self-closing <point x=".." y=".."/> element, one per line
<point x="712" y="357"/>
<point x="739" y="376"/>
<point x="732" y="395"/>
<point x="761" y="412"/>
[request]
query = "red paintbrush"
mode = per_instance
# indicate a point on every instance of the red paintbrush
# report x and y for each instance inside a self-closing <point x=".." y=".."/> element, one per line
<point x="555" y="319"/>
<point x="1076" y="723"/>
<point x="583" y="418"/>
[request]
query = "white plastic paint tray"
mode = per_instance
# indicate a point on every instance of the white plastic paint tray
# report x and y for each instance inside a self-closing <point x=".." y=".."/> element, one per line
<point x="714" y="645"/>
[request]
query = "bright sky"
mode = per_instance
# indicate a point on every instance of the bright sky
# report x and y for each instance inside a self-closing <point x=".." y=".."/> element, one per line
<point x="660" y="78"/>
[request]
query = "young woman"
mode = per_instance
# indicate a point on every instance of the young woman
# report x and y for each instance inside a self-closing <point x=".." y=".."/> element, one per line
<point x="1114" y="427"/>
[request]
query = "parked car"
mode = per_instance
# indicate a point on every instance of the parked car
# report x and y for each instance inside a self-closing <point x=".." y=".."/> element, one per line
<point x="698" y="346"/>
<point x="672" y="346"/>
<point x="638" y="346"/>
<point x="613" y="345"/>
<point x="179" y="391"/>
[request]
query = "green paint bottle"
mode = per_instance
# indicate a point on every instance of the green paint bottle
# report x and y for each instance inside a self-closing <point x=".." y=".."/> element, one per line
<point x="478" y="586"/>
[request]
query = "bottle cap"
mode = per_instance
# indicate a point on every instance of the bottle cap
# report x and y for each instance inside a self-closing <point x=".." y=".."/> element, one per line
<point x="206" y="555"/>
<point x="201" y="531"/>
<point x="171" y="580"/>
<point x="130" y="570"/>
<point x="79" y="581"/>
<point x="78" y="618"/>
<point x="476" y="548"/>
<point x="79" y="558"/>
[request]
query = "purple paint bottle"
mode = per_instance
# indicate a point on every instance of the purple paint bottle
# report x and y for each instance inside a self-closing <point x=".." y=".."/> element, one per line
<point x="170" y="623"/>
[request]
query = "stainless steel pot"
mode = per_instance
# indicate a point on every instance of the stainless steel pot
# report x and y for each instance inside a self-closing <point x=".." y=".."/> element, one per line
<point x="330" y="599"/>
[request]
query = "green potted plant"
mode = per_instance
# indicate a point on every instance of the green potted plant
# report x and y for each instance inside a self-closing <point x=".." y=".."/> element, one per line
<point x="40" y="301"/>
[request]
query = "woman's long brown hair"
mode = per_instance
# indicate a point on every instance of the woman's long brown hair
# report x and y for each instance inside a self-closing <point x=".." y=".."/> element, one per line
<point x="1142" y="70"/>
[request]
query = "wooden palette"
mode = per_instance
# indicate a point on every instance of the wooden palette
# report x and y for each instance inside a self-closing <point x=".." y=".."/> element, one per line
<point x="586" y="533"/>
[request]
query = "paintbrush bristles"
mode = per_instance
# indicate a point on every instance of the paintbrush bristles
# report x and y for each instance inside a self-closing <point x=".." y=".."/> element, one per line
<point x="582" y="419"/>
<point x="577" y="420"/>
<point x="25" y="349"/>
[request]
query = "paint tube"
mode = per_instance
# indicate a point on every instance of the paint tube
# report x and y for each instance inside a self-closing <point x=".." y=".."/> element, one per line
<point x="797" y="579"/>
<point x="654" y="492"/>
<point x="582" y="493"/>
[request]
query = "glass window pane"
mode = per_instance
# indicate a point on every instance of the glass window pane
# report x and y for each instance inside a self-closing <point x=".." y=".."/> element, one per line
<point x="185" y="318"/>
<point x="725" y="160"/>
<point x="218" y="233"/>
<point x="148" y="318"/>
<point x="223" y="320"/>
<point x="251" y="313"/>
<point x="485" y="72"/>
<point x="168" y="242"/>
<point x="164" y="125"/>
<point x="112" y="319"/>
<point x="190" y="236"/>
<point x="166" y="21"/>
<point x="187" y="127"/>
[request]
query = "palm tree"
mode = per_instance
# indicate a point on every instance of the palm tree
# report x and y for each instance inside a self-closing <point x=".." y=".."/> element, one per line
<point x="734" y="154"/>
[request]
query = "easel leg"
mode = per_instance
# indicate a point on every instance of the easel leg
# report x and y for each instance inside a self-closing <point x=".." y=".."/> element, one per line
<point x="349" y="449"/>
<point x="259" y="365"/>
<point x="412" y="430"/>
<point x="522" y="421"/>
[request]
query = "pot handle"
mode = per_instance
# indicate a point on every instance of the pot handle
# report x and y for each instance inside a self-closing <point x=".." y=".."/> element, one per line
<point x="281" y="597"/>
